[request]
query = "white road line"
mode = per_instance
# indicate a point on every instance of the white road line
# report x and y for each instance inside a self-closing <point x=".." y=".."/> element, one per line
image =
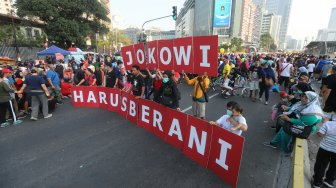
<point x="212" y="96"/>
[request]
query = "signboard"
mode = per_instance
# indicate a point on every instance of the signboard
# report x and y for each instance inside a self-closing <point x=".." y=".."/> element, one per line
<point x="222" y="13"/>
<point x="210" y="146"/>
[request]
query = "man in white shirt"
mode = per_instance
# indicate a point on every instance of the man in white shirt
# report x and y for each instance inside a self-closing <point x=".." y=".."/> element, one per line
<point x="311" y="67"/>
<point x="286" y="72"/>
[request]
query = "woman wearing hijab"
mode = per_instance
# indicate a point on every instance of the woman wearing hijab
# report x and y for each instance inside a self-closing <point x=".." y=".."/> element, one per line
<point x="266" y="80"/>
<point x="307" y="112"/>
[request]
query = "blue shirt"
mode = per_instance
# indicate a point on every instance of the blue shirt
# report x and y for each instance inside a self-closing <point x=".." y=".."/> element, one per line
<point x="53" y="76"/>
<point x="11" y="80"/>
<point x="34" y="83"/>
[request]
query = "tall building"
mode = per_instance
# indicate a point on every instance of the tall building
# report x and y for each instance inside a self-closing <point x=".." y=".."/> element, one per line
<point x="6" y="6"/>
<point x="133" y="33"/>
<point x="281" y="8"/>
<point x="247" y="24"/>
<point x="211" y="17"/>
<point x="185" y="20"/>
<point x="271" y="24"/>
<point x="332" y="19"/>
<point x="106" y="5"/>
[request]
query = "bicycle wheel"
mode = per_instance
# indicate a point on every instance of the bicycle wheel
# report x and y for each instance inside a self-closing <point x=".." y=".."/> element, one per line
<point x="245" y="93"/>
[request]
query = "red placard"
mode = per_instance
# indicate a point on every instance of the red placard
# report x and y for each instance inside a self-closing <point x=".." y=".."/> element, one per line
<point x="184" y="55"/>
<point x="226" y="154"/>
<point x="140" y="57"/>
<point x="159" y="115"/>
<point x="123" y="104"/>
<point x="127" y="52"/>
<point x="198" y="140"/>
<point x="176" y="128"/>
<point x="132" y="114"/>
<point x="205" y="55"/>
<point x="78" y="94"/>
<point x="86" y="96"/>
<point x="152" y="51"/>
<point x="145" y="114"/>
<point x="114" y="100"/>
<point x="103" y="97"/>
<point x="165" y="55"/>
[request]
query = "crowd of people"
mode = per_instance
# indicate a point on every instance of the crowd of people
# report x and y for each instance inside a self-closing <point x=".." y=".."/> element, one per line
<point x="29" y="88"/>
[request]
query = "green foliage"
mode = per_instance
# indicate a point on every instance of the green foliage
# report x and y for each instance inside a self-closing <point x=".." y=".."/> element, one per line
<point x="67" y="21"/>
<point x="236" y="44"/>
<point x="267" y="42"/>
<point x="7" y="37"/>
<point x="112" y="37"/>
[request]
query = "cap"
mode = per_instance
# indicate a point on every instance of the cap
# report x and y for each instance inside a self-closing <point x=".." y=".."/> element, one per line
<point x="283" y="94"/>
<point x="6" y="71"/>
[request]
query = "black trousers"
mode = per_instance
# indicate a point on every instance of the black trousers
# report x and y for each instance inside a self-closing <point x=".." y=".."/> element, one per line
<point x="6" y="106"/>
<point x="263" y="88"/>
<point x="323" y="158"/>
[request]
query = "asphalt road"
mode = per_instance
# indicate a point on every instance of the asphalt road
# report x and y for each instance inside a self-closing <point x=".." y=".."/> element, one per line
<point x="83" y="147"/>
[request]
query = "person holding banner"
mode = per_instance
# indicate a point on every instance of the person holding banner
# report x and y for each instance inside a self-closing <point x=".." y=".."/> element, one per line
<point x="138" y="83"/>
<point x="233" y="120"/>
<point x="168" y="94"/>
<point x="199" y="96"/>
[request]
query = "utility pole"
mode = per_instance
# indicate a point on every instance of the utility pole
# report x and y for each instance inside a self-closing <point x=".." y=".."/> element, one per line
<point x="14" y="34"/>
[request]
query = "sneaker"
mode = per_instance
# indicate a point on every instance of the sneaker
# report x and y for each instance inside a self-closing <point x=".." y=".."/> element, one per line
<point x="48" y="116"/>
<point x="266" y="103"/>
<point x="227" y="93"/>
<point x="328" y="183"/>
<point x="17" y="122"/>
<point x="33" y="118"/>
<point x="22" y="116"/>
<point x="269" y="144"/>
<point x="59" y="103"/>
<point x="3" y="125"/>
<point x="260" y="99"/>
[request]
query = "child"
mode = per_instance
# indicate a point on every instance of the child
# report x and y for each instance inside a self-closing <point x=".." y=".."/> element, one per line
<point x="233" y="120"/>
<point x="128" y="85"/>
<point x="326" y="155"/>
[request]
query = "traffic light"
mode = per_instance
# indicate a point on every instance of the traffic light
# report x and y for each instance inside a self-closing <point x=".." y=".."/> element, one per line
<point x="174" y="12"/>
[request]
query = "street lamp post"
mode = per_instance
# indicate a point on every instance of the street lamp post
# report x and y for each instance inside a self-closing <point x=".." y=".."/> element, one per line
<point x="97" y="41"/>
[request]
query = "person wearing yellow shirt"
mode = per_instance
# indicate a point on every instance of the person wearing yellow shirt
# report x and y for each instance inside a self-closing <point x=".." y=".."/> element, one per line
<point x="199" y="99"/>
<point x="226" y="70"/>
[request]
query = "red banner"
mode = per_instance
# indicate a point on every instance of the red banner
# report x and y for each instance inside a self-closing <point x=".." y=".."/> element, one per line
<point x="191" y="54"/>
<point x="197" y="143"/>
<point x="176" y="124"/>
<point x="226" y="154"/>
<point x="210" y="146"/>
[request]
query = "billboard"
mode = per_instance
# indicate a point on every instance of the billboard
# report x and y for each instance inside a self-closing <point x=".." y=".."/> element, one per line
<point x="222" y="13"/>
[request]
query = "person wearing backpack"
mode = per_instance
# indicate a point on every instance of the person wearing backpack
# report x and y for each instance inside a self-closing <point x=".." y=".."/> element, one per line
<point x="199" y="96"/>
<point x="54" y="81"/>
<point x="286" y="72"/>
<point x="168" y="94"/>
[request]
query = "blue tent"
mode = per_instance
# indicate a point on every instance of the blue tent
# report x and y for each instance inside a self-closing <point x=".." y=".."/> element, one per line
<point x="52" y="50"/>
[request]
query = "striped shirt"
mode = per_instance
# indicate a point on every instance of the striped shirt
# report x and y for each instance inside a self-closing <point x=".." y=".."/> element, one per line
<point x="329" y="140"/>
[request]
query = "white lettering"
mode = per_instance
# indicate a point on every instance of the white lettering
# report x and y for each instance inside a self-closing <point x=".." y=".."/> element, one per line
<point x="114" y="102"/>
<point x="142" y="60"/>
<point x="145" y="114"/>
<point x="123" y="106"/>
<point x="132" y="110"/>
<point x="182" y="55"/>
<point x="200" y="146"/>
<point x="221" y="161"/>
<point x="205" y="50"/>
<point x="151" y="58"/>
<point x="91" y="97"/>
<point x="157" y="118"/>
<point x="102" y="97"/>
<point x="76" y="96"/>
<point x="175" y="129"/>
<point x="165" y="49"/>
<point x="130" y="58"/>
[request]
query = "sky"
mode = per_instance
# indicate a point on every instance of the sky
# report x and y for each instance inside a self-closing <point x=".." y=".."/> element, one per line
<point x="306" y="17"/>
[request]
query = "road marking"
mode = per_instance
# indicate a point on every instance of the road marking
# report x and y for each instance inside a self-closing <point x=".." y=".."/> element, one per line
<point x="212" y="96"/>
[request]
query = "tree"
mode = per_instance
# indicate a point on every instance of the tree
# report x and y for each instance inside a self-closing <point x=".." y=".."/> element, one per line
<point x="266" y="41"/>
<point x="66" y="21"/>
<point x="236" y="44"/>
<point x="112" y="38"/>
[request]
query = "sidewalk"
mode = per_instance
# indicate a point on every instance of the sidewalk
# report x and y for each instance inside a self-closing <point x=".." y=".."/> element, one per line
<point x="314" y="140"/>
